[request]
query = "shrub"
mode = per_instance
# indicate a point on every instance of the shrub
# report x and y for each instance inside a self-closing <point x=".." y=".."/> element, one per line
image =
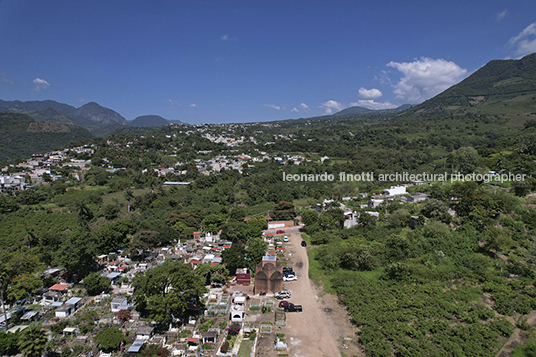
<point x="225" y="347"/>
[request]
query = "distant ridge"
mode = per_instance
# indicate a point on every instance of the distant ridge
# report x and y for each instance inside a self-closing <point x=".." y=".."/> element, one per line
<point x="152" y="121"/>
<point x="148" y="121"/>
<point x="88" y="115"/>
<point x="356" y="110"/>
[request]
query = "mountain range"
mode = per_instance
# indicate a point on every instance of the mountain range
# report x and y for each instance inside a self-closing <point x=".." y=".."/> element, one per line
<point x="89" y="115"/>
<point x="505" y="88"/>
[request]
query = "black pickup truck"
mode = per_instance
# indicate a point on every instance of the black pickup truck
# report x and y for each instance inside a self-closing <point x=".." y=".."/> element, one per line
<point x="293" y="308"/>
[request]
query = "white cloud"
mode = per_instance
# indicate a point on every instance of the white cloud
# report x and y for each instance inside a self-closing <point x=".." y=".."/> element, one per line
<point x="501" y="15"/>
<point x="81" y="100"/>
<point x="173" y="103"/>
<point x="331" y="105"/>
<point x="525" y="41"/>
<point x="225" y="37"/>
<point x="294" y="110"/>
<point x="5" y="79"/>
<point x="40" y="84"/>
<point x="193" y="105"/>
<point x="371" y="104"/>
<point x="272" y="106"/>
<point x="304" y="107"/>
<point x="370" y="93"/>
<point x="422" y="79"/>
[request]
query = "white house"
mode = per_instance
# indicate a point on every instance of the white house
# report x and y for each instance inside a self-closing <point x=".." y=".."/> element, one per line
<point x="395" y="190"/>
<point x="238" y="309"/>
<point x="118" y="304"/>
<point x="374" y="203"/>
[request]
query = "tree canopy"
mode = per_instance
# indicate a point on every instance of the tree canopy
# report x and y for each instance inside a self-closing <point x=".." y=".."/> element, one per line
<point x="167" y="289"/>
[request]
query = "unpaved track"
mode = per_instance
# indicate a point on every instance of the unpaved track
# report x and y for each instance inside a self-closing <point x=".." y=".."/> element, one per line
<point x="315" y="332"/>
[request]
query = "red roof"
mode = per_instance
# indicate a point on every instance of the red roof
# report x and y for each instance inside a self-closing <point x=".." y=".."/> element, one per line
<point x="192" y="339"/>
<point x="195" y="261"/>
<point x="212" y="264"/>
<point x="269" y="234"/>
<point x="279" y="248"/>
<point x="122" y="268"/>
<point x="227" y="246"/>
<point x="59" y="287"/>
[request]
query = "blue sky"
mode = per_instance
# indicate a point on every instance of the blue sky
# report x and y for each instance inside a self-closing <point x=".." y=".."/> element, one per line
<point x="241" y="61"/>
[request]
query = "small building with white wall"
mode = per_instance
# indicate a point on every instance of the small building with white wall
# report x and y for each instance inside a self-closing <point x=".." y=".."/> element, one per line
<point x="395" y="190"/>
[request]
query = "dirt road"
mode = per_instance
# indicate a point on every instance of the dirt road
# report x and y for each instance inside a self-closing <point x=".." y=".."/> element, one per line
<point x="323" y="328"/>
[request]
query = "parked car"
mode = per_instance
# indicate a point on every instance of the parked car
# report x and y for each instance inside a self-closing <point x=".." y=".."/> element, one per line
<point x="285" y="239"/>
<point x="283" y="294"/>
<point x="280" y="231"/>
<point x="285" y="303"/>
<point x="293" y="308"/>
<point x="303" y="243"/>
<point x="290" y="277"/>
<point x="287" y="269"/>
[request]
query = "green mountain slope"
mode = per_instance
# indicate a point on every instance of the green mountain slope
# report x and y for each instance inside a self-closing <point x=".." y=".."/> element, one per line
<point x="501" y="87"/>
<point x="148" y="120"/>
<point x="21" y="136"/>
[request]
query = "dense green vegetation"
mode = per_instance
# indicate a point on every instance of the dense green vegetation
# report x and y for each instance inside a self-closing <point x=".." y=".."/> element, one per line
<point x="21" y="136"/>
<point x="437" y="289"/>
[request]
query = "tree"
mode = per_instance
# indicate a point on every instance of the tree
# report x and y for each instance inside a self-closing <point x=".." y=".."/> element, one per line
<point x="366" y="221"/>
<point x="213" y="222"/>
<point x="332" y="218"/>
<point x="435" y="209"/>
<point x="110" y="212"/>
<point x="9" y="343"/>
<point x="235" y="232"/>
<point x="234" y="257"/>
<point x="283" y="211"/>
<point x="110" y="339"/>
<point x="255" y="250"/>
<point x="237" y="214"/>
<point x="216" y="273"/>
<point x="8" y="205"/>
<point x="257" y="223"/>
<point x="84" y="215"/>
<point x="95" y="283"/>
<point x="166" y="290"/>
<point x="115" y="235"/>
<point x="22" y="286"/>
<point x="399" y="218"/>
<point x="32" y="341"/>
<point x="465" y="159"/>
<point x="76" y="253"/>
<point x="309" y="217"/>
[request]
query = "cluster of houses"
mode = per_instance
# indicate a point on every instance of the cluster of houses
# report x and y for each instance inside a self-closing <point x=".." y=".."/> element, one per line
<point x="224" y="162"/>
<point x="62" y="299"/>
<point x="32" y="170"/>
<point x="376" y="201"/>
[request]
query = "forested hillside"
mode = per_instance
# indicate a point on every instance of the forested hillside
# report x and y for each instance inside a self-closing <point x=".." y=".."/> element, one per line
<point x="21" y="136"/>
